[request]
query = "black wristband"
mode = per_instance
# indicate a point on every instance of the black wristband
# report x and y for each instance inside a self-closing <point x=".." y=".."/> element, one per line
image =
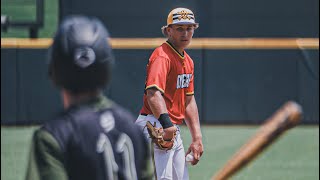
<point x="165" y="121"/>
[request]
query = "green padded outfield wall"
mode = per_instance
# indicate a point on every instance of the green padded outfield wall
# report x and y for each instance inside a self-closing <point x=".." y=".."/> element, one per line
<point x="9" y="84"/>
<point x="217" y="18"/>
<point x="231" y="86"/>
<point x="249" y="85"/>
<point x="27" y="96"/>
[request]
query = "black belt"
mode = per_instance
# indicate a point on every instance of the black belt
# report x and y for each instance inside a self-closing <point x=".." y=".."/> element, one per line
<point x="144" y="114"/>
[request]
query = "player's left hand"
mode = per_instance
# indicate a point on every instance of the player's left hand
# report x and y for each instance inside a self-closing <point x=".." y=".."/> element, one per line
<point x="196" y="147"/>
<point x="157" y="136"/>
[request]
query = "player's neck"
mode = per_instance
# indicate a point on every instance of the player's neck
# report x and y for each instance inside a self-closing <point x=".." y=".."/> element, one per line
<point x="70" y="99"/>
<point x="176" y="47"/>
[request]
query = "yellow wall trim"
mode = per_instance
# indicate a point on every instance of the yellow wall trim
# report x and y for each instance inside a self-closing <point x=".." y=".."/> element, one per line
<point x="197" y="43"/>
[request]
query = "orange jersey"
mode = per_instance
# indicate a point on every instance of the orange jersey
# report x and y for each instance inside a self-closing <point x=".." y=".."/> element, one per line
<point x="172" y="74"/>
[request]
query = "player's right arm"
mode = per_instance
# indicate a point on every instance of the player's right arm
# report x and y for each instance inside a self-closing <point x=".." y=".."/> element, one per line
<point x="157" y="71"/>
<point x="156" y="102"/>
<point x="158" y="107"/>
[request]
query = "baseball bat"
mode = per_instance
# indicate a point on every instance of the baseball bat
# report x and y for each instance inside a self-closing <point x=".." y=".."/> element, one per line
<point x="286" y="117"/>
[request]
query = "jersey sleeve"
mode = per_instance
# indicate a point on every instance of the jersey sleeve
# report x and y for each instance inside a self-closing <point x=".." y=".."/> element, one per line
<point x="190" y="89"/>
<point x="158" y="69"/>
<point x="45" y="159"/>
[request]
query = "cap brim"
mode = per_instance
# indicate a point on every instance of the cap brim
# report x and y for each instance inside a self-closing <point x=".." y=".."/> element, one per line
<point x="183" y="23"/>
<point x="186" y="23"/>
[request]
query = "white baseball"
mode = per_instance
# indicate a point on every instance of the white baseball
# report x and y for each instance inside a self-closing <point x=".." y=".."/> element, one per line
<point x="189" y="157"/>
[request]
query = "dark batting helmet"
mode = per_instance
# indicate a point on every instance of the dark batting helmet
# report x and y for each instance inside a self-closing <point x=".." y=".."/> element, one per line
<point x="81" y="56"/>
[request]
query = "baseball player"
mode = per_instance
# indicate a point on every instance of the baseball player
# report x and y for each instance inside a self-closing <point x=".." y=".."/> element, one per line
<point x="169" y="97"/>
<point x="94" y="138"/>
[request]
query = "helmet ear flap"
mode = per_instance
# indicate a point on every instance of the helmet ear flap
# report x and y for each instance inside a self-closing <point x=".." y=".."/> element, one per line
<point x="51" y="69"/>
<point x="53" y="74"/>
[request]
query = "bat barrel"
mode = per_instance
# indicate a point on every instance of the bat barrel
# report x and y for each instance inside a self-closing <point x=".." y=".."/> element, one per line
<point x="286" y="117"/>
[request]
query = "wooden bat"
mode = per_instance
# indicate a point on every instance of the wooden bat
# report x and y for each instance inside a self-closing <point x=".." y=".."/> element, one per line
<point x="286" y="117"/>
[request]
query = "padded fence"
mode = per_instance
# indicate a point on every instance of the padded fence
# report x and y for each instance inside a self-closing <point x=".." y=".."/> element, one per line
<point x="217" y="18"/>
<point x="232" y="85"/>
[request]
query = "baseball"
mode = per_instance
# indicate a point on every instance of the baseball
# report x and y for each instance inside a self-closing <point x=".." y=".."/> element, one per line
<point x="189" y="157"/>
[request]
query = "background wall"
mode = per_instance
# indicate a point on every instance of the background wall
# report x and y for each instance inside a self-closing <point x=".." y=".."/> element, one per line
<point x="217" y="18"/>
<point x="231" y="85"/>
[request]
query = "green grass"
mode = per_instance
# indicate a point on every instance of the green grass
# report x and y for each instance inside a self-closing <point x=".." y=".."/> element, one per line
<point x="25" y="10"/>
<point x="295" y="156"/>
<point x="15" y="145"/>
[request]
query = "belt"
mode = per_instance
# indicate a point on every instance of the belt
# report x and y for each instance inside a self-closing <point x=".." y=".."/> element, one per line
<point x="143" y="114"/>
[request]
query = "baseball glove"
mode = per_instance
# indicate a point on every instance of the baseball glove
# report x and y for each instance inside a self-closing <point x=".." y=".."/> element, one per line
<point x="156" y="134"/>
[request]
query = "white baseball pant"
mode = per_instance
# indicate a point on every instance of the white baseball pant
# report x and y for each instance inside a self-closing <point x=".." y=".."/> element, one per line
<point x="170" y="165"/>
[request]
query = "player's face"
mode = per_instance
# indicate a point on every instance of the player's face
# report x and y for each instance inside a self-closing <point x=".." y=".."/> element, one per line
<point x="181" y="35"/>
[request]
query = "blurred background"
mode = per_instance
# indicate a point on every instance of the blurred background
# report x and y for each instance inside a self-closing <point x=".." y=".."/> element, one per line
<point x="251" y="56"/>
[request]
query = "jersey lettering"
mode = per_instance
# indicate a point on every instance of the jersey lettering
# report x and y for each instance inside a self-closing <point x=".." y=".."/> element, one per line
<point x="183" y="80"/>
<point x="104" y="146"/>
<point x="124" y="147"/>
<point x="107" y="121"/>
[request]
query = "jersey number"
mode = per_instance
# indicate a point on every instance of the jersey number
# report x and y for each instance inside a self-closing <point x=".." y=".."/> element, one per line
<point x="124" y="146"/>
